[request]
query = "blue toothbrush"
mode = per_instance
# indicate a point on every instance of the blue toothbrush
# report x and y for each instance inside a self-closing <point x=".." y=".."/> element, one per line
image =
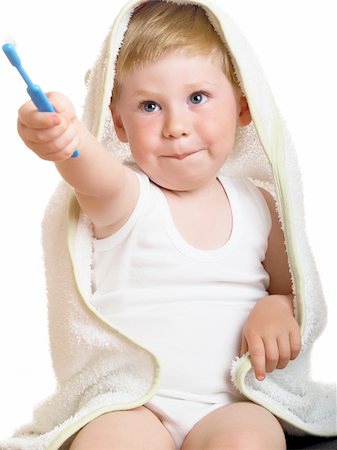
<point x="38" y="97"/>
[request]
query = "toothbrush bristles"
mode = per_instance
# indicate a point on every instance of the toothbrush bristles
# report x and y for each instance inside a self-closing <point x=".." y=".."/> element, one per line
<point x="9" y="40"/>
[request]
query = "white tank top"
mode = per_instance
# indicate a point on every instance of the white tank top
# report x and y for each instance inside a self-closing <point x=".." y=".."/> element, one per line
<point x="186" y="305"/>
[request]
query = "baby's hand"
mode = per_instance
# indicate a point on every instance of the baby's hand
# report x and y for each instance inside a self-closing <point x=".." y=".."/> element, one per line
<point x="271" y="335"/>
<point x="52" y="136"/>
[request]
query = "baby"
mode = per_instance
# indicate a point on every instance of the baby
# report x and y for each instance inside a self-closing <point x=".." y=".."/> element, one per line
<point x="200" y="272"/>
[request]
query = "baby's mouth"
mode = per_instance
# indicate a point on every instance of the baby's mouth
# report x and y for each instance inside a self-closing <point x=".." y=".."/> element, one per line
<point x="183" y="155"/>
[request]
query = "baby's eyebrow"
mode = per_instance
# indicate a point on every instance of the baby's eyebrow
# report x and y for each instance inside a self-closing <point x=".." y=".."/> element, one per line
<point x="189" y="87"/>
<point x="199" y="85"/>
<point x="144" y="93"/>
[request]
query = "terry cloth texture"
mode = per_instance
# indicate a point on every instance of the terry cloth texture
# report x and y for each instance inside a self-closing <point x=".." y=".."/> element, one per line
<point x="99" y="369"/>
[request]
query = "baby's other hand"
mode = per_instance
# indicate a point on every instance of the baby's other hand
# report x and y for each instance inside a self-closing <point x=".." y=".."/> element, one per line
<point x="271" y="335"/>
<point x="52" y="136"/>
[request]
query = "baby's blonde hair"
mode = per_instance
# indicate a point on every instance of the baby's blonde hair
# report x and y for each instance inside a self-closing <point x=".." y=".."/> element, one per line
<point x="157" y="28"/>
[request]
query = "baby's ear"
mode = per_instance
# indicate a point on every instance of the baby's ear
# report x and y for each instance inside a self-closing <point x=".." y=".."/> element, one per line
<point x="119" y="127"/>
<point x="244" y="115"/>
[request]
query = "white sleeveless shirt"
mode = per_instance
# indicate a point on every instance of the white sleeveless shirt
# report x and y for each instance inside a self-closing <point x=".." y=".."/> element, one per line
<point x="187" y="306"/>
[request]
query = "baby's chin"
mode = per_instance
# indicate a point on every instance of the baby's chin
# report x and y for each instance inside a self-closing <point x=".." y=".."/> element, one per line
<point x="184" y="184"/>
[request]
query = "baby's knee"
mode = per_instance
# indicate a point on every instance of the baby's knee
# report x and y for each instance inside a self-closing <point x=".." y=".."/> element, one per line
<point x="131" y="429"/>
<point x="246" y="440"/>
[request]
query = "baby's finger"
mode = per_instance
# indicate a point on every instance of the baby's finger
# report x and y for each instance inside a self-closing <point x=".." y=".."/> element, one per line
<point x="43" y="135"/>
<point x="63" y="146"/>
<point x="272" y="354"/>
<point x="258" y="357"/>
<point x="30" y="117"/>
<point x="63" y="154"/>
<point x="295" y="344"/>
<point x="244" y="346"/>
<point x="56" y="149"/>
<point x="283" y="344"/>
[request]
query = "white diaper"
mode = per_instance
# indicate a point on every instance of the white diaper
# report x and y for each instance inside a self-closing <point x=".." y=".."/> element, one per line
<point x="179" y="415"/>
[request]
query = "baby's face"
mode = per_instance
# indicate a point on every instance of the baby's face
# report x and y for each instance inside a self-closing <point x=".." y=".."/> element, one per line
<point x="179" y="115"/>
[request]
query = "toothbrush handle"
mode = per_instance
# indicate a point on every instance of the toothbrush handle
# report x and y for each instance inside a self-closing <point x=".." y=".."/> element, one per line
<point x="42" y="103"/>
<point x="40" y="99"/>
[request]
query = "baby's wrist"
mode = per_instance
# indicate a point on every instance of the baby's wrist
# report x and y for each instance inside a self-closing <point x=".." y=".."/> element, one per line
<point x="285" y="299"/>
<point x="82" y="133"/>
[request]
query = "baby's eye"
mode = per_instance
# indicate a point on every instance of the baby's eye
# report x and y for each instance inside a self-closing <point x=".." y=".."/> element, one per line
<point x="149" y="106"/>
<point x="197" y="98"/>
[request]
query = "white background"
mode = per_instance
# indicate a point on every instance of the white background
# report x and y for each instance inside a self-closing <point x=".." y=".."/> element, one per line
<point x="58" y="41"/>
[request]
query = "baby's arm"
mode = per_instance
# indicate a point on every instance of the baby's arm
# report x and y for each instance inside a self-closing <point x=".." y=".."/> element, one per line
<point x="106" y="189"/>
<point x="271" y="333"/>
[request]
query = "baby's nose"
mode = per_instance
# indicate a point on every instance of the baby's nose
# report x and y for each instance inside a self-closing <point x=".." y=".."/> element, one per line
<point x="176" y="125"/>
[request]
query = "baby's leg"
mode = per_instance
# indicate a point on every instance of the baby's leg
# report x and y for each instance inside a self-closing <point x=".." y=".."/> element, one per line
<point x="238" y="426"/>
<point x="134" y="429"/>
